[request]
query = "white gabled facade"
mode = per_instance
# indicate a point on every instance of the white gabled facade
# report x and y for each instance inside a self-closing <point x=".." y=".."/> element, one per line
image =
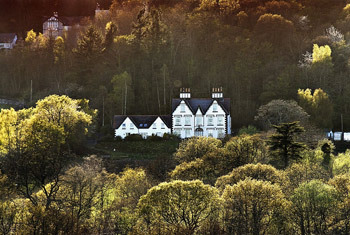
<point x="7" y="40"/>
<point x="190" y="117"/>
<point x="128" y="127"/>
<point x="211" y="121"/>
<point x="183" y="121"/>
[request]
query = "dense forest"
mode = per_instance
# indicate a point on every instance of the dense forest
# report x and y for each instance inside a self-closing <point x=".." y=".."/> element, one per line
<point x="284" y="64"/>
<point x="141" y="53"/>
<point x="253" y="183"/>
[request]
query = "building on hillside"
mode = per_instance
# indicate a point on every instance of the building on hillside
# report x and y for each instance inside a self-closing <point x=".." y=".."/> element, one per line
<point x="100" y="11"/>
<point x="55" y="26"/>
<point x="201" y="116"/>
<point x="190" y="117"/>
<point x="7" y="40"/>
<point x="144" y="125"/>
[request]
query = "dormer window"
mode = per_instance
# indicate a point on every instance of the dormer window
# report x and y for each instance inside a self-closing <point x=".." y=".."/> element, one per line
<point x="215" y="107"/>
<point x="131" y="126"/>
<point x="123" y="126"/>
<point x="183" y="108"/>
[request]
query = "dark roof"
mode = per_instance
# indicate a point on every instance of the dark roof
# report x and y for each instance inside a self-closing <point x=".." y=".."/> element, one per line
<point x="7" y="37"/>
<point x="68" y="20"/>
<point x="141" y="121"/>
<point x="202" y="104"/>
<point x="167" y="119"/>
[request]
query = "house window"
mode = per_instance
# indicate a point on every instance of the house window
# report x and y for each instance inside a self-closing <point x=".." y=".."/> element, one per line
<point x="183" y="108"/>
<point x="177" y="121"/>
<point x="187" y="133"/>
<point x="131" y="126"/>
<point x="215" y="107"/>
<point x="123" y="126"/>
<point x="187" y="120"/>
<point x="210" y="121"/>
<point x="210" y="132"/>
<point x="154" y="126"/>
<point x="221" y="133"/>
<point x="163" y="126"/>
<point x="199" y="121"/>
<point x="220" y="120"/>
<point x="177" y="132"/>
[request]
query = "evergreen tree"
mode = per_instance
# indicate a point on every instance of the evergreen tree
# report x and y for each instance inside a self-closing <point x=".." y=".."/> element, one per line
<point x="283" y="143"/>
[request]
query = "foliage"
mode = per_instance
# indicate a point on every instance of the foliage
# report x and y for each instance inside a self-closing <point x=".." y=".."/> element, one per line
<point x="341" y="164"/>
<point x="255" y="207"/>
<point x="249" y="130"/>
<point x="196" y="147"/>
<point x="313" y="203"/>
<point x="283" y="143"/>
<point x="318" y="105"/>
<point x="252" y="171"/>
<point x="280" y="111"/>
<point x="178" y="207"/>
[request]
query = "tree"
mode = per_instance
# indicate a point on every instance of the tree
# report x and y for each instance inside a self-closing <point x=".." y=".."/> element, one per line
<point x="280" y="111"/>
<point x="244" y="149"/>
<point x="342" y="215"/>
<point x="313" y="206"/>
<point x="196" y="147"/>
<point x="318" y="105"/>
<point x="283" y="143"/>
<point x="179" y="207"/>
<point x="207" y="168"/>
<point x="252" y="171"/>
<point x="274" y="29"/>
<point x="122" y="91"/>
<point x="88" y="51"/>
<point x="38" y="144"/>
<point x="255" y="207"/>
<point x="341" y="164"/>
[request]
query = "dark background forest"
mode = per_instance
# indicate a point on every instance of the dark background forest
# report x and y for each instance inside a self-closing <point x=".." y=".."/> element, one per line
<point x="256" y="50"/>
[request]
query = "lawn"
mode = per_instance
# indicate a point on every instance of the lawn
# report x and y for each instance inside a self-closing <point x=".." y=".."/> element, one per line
<point x="145" y="149"/>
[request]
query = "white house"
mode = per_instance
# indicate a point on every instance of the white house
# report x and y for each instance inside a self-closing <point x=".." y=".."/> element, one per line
<point x="144" y="125"/>
<point x="55" y="25"/>
<point x="7" y="40"/>
<point x="190" y="117"/>
<point x="201" y="117"/>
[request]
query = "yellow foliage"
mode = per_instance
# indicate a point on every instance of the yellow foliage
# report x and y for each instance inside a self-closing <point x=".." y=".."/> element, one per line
<point x="321" y="54"/>
<point x="31" y="36"/>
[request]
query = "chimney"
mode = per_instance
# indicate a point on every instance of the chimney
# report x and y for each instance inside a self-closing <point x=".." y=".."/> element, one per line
<point x="55" y="14"/>
<point x="185" y="93"/>
<point x="217" y="93"/>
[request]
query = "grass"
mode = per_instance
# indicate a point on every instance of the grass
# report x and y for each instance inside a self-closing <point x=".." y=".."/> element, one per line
<point x="145" y="149"/>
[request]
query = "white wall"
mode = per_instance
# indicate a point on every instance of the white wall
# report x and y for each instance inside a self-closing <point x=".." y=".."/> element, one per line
<point x="128" y="128"/>
<point x="213" y="130"/>
<point x="181" y="129"/>
<point x="208" y="130"/>
<point x="9" y="45"/>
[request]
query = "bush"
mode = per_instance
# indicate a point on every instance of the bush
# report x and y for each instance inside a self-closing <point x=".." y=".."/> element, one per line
<point x="154" y="138"/>
<point x="168" y="136"/>
<point x="134" y="137"/>
<point x="118" y="138"/>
